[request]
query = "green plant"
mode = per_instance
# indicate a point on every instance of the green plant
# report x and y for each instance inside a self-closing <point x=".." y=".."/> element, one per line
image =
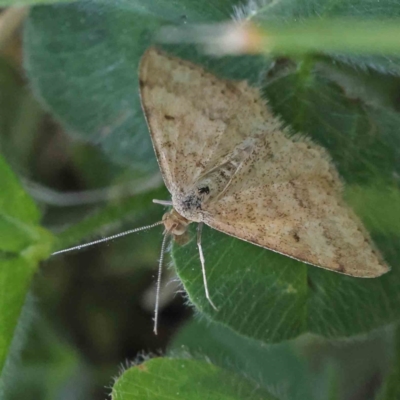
<point x="81" y="61"/>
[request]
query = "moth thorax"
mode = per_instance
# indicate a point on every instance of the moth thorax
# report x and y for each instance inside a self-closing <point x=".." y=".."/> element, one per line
<point x="174" y="223"/>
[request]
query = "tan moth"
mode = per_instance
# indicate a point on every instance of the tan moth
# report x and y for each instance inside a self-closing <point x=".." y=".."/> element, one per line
<point x="228" y="163"/>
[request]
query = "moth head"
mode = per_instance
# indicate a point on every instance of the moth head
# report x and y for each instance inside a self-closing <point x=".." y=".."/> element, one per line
<point x="174" y="223"/>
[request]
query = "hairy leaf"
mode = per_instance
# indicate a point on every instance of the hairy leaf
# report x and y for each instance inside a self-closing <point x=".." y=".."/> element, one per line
<point x="277" y="368"/>
<point x="163" y="378"/>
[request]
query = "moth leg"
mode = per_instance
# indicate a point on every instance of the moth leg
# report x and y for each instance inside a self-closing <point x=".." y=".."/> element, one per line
<point x="203" y="266"/>
<point x="158" y="287"/>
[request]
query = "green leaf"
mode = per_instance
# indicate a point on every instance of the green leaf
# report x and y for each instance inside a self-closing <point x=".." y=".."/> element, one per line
<point x="82" y="61"/>
<point x="163" y="378"/>
<point x="14" y="201"/>
<point x="294" y="11"/>
<point x="15" y="235"/>
<point x="276" y="366"/>
<point x="15" y="277"/>
<point x="23" y="245"/>
<point x="258" y="293"/>
<point x="288" y="369"/>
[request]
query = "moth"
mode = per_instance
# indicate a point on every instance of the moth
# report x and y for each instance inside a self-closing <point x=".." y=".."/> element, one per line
<point x="229" y="163"/>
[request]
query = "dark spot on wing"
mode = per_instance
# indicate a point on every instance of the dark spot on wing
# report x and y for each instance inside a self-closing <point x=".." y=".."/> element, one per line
<point x="204" y="189"/>
<point x="296" y="237"/>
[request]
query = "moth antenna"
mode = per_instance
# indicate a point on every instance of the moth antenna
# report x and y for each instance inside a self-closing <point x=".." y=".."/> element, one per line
<point x="160" y="265"/>
<point x="106" y="239"/>
<point x="203" y="264"/>
<point x="163" y="202"/>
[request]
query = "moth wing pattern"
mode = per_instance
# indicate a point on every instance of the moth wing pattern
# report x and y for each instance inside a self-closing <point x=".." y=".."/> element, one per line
<point x="287" y="197"/>
<point x="194" y="118"/>
<point x="298" y="212"/>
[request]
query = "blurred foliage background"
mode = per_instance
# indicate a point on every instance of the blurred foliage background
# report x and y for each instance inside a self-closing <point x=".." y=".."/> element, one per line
<point x="72" y="130"/>
<point x="89" y="312"/>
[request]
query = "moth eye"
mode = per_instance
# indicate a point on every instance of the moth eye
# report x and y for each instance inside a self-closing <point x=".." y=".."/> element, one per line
<point x="204" y="190"/>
